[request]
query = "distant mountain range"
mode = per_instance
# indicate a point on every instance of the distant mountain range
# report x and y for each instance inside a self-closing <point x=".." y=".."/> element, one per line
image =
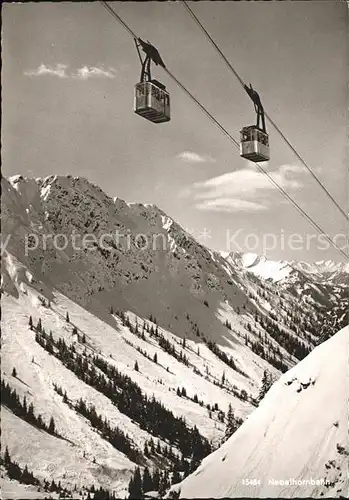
<point x="283" y="271"/>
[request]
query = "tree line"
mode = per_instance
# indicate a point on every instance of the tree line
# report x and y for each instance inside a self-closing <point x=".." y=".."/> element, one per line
<point x="13" y="402"/>
<point x="150" y="414"/>
<point x="163" y="342"/>
<point x="24" y="476"/>
<point x="114" y="435"/>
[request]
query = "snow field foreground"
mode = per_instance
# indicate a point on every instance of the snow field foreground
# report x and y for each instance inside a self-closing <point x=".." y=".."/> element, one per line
<point x="299" y="433"/>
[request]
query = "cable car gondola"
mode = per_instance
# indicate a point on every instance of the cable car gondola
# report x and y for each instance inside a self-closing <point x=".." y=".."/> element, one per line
<point x="254" y="140"/>
<point x="151" y="100"/>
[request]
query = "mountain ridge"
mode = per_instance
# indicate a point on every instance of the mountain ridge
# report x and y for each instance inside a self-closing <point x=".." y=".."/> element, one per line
<point x="264" y="267"/>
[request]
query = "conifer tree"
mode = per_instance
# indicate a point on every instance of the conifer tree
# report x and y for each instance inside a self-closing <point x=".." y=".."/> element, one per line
<point x="156" y="479"/>
<point x="267" y="382"/>
<point x="176" y="478"/>
<point x="39" y="326"/>
<point x="51" y="427"/>
<point x="67" y="318"/>
<point x="7" y="458"/>
<point x="164" y="483"/>
<point x="30" y="322"/>
<point x="31" y="411"/>
<point x="243" y="395"/>
<point x="147" y="481"/>
<point x="136" y="367"/>
<point x="14" y="372"/>
<point x="231" y="423"/>
<point x="26" y="479"/>
<point x="135" y="486"/>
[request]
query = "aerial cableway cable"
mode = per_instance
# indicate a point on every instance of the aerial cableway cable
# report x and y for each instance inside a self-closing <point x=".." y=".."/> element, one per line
<point x="118" y="18"/>
<point x="231" y="138"/>
<point x="233" y="70"/>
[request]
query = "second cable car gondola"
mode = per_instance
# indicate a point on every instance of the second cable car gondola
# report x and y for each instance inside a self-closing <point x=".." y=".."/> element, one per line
<point x="254" y="140"/>
<point x="151" y="100"/>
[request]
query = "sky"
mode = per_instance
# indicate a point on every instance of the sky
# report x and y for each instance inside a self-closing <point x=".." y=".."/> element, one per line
<point x="68" y="77"/>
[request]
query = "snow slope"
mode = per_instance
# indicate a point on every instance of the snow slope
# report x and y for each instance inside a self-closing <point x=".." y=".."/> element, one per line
<point x="293" y="435"/>
<point x="260" y="265"/>
<point x="282" y="271"/>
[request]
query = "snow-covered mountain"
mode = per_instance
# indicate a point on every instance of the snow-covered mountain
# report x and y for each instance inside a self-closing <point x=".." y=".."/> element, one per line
<point x="295" y="444"/>
<point x="109" y="286"/>
<point x="282" y="271"/>
<point x="325" y="284"/>
<point x="260" y="266"/>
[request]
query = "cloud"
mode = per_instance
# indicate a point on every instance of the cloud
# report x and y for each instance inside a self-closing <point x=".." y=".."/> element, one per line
<point x="192" y="157"/>
<point x="86" y="72"/>
<point x="243" y="190"/>
<point x="58" y="70"/>
<point x="247" y="182"/>
<point x="229" y="205"/>
<point x="83" y="73"/>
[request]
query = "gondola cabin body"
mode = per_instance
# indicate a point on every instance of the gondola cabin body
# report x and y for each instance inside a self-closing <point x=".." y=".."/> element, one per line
<point x="254" y="144"/>
<point x="152" y="101"/>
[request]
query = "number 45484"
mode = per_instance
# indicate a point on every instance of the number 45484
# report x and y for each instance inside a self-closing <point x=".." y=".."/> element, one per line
<point x="251" y="482"/>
